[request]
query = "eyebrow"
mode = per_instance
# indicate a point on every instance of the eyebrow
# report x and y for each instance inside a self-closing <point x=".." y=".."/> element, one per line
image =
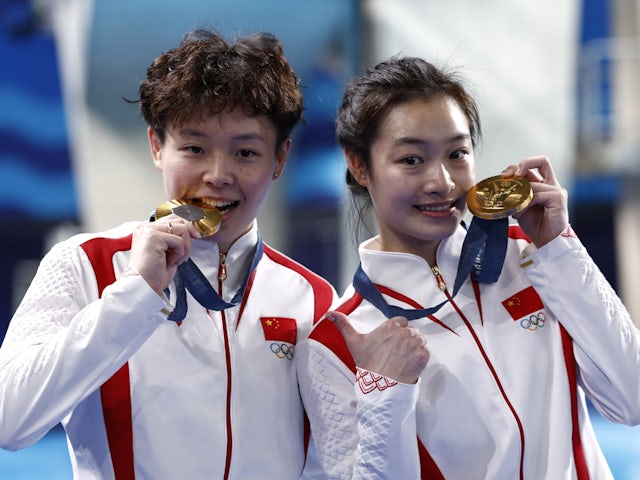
<point x="193" y="132"/>
<point x="419" y="141"/>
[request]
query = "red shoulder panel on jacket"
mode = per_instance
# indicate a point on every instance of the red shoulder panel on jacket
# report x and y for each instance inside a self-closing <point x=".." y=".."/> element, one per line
<point x="322" y="289"/>
<point x="100" y="251"/>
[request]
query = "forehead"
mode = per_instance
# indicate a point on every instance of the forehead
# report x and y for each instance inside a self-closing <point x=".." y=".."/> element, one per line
<point x="424" y="120"/>
<point x="434" y="111"/>
<point x="235" y="124"/>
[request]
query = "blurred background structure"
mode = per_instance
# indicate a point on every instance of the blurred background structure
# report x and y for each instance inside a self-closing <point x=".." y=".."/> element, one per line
<point x="555" y="78"/>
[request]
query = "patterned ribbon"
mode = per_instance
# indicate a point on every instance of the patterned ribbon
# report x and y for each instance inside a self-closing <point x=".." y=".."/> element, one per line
<point x="482" y="257"/>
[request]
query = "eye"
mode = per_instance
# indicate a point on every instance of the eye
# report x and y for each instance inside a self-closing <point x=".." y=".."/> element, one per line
<point x="194" y="149"/>
<point x="246" y="153"/>
<point x="458" y="155"/>
<point x="411" y="160"/>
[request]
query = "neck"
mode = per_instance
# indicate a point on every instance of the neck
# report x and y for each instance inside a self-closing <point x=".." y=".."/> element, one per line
<point x="425" y="250"/>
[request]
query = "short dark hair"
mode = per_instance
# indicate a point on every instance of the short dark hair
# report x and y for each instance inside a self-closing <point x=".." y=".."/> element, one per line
<point x="370" y="96"/>
<point x="206" y="75"/>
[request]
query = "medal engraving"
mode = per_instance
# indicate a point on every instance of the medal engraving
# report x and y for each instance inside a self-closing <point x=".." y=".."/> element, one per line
<point x="498" y="197"/>
<point x="189" y="212"/>
<point x="205" y="219"/>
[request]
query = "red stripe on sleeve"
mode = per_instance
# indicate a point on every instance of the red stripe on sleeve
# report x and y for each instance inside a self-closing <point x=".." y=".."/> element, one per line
<point x="116" y="408"/>
<point x="115" y="393"/>
<point x="428" y="468"/>
<point x="570" y="362"/>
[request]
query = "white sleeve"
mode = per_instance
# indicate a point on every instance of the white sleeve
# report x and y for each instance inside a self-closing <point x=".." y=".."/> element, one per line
<point x="363" y="430"/>
<point x="606" y="342"/>
<point x="63" y="342"/>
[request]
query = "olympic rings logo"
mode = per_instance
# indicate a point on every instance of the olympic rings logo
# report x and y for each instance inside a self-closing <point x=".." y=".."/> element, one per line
<point x="282" y="350"/>
<point x="534" y="321"/>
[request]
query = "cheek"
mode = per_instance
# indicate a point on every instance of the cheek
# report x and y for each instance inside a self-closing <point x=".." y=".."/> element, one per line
<point x="256" y="186"/>
<point x="392" y="194"/>
<point x="177" y="181"/>
<point x="465" y="179"/>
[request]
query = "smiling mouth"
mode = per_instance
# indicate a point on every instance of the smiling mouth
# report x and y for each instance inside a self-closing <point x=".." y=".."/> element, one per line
<point x="222" y="207"/>
<point x="435" y="208"/>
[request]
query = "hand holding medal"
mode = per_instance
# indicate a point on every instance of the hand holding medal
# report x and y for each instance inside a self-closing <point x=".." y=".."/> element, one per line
<point x="494" y="199"/>
<point x="547" y="214"/>
<point x="159" y="248"/>
<point x="151" y="242"/>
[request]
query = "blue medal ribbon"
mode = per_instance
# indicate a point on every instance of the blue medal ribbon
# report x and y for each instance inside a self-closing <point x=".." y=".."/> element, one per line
<point x="482" y="257"/>
<point x="190" y="278"/>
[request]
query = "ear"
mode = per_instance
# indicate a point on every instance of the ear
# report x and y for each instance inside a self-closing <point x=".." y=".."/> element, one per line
<point x="281" y="158"/>
<point x="155" y="145"/>
<point x="356" y="168"/>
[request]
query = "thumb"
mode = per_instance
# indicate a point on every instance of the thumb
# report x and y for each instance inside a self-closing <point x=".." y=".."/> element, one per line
<point x="341" y="321"/>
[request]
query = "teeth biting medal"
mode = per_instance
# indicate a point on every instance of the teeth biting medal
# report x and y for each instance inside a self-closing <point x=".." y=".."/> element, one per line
<point x="497" y="197"/>
<point x="205" y="219"/>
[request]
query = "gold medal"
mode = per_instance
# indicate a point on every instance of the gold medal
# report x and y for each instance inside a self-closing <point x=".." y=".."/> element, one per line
<point x="206" y="219"/>
<point x="497" y="197"/>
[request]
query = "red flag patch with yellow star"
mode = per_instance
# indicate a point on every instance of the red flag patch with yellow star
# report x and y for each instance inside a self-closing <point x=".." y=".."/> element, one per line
<point x="523" y="303"/>
<point x="281" y="329"/>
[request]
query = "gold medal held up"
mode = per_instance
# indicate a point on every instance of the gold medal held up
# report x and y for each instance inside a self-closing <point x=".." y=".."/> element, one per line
<point x="205" y="218"/>
<point x="498" y="197"/>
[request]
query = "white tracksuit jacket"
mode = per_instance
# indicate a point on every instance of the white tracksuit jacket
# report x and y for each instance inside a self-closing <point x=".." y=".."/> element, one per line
<point x="503" y="394"/>
<point x="140" y="396"/>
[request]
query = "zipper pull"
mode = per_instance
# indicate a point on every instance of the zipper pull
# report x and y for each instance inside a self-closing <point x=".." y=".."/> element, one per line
<point x="442" y="285"/>
<point x="222" y="267"/>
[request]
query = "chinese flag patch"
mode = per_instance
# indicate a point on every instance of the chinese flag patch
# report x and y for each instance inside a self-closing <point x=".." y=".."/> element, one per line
<point x="280" y="329"/>
<point x="523" y="303"/>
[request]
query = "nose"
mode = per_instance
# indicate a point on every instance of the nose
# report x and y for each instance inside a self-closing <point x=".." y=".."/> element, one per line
<point x="217" y="171"/>
<point x="438" y="179"/>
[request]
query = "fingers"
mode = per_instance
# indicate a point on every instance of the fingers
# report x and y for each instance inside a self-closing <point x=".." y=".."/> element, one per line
<point x="536" y="169"/>
<point x="174" y="238"/>
<point x="547" y="215"/>
<point x="175" y="225"/>
<point x="419" y="337"/>
<point x="341" y="321"/>
<point x="544" y="169"/>
<point x="400" y="321"/>
<point x="411" y="331"/>
<point x="351" y="335"/>
<point x="403" y="353"/>
<point x="159" y="247"/>
<point x="177" y="234"/>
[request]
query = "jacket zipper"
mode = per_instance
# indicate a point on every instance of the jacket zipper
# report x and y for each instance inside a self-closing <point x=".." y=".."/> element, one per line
<point x="222" y="267"/>
<point x="442" y="285"/>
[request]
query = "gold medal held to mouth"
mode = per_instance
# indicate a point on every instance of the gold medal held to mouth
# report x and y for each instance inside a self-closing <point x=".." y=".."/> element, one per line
<point x="497" y="197"/>
<point x="206" y="219"/>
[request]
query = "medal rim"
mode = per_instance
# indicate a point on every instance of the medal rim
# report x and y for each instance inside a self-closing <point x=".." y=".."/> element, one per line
<point x="479" y="212"/>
